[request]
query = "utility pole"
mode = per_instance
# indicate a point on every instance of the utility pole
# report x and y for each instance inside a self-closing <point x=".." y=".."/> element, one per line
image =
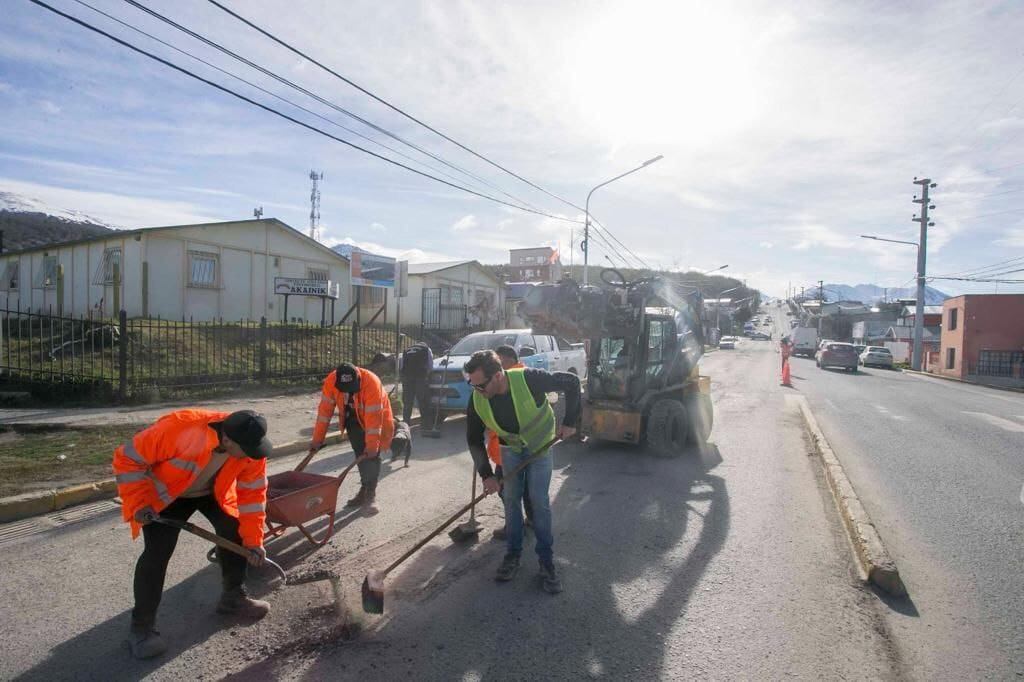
<point x="922" y="250"/>
<point x="314" y="205"/>
<point x="821" y="304"/>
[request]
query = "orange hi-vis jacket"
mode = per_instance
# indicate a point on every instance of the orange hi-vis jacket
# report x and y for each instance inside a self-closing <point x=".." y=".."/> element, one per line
<point x="493" y="442"/>
<point x="161" y="462"/>
<point x="372" y="408"/>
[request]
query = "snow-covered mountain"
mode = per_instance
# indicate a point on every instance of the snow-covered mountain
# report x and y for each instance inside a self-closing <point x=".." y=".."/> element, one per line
<point x="27" y="222"/>
<point x="17" y="203"/>
<point x="871" y="293"/>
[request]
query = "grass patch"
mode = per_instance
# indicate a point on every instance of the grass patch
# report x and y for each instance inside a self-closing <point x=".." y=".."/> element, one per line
<point x="30" y="459"/>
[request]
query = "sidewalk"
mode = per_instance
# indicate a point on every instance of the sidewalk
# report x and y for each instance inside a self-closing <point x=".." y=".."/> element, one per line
<point x="290" y="416"/>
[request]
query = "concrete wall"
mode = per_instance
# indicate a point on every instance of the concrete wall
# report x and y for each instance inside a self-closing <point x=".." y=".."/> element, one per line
<point x="249" y="255"/>
<point x="468" y="277"/>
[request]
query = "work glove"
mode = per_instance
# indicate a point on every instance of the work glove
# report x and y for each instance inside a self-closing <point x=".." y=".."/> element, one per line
<point x="256" y="556"/>
<point x="491" y="485"/>
<point x="145" y="516"/>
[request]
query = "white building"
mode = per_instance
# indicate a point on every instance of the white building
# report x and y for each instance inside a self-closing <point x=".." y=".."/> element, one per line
<point x="207" y="271"/>
<point x="451" y="295"/>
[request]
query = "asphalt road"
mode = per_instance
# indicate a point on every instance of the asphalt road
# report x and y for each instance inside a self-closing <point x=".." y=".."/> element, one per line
<point x="726" y="562"/>
<point x="938" y="466"/>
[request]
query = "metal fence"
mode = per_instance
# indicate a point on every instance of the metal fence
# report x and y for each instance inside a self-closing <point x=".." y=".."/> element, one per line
<point x="115" y="359"/>
<point x="999" y="363"/>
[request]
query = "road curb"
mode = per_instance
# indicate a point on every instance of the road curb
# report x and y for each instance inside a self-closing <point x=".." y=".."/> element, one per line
<point x="1011" y="389"/>
<point x="873" y="559"/>
<point x="41" y="502"/>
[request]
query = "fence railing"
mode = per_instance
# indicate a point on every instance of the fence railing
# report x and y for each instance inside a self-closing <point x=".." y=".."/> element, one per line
<point x="1004" y="363"/>
<point x="103" y="358"/>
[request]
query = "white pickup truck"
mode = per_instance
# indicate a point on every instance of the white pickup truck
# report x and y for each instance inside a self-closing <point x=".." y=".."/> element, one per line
<point x="549" y="352"/>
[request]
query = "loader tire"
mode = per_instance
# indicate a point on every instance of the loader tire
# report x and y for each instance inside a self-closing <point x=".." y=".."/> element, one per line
<point x="667" y="428"/>
<point x="702" y="417"/>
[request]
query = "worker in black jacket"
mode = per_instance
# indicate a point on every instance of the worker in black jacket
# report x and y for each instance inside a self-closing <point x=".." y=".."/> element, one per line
<point x="513" y="403"/>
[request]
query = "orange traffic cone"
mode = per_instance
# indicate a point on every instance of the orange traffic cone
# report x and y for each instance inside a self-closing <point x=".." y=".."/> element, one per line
<point x="785" y="373"/>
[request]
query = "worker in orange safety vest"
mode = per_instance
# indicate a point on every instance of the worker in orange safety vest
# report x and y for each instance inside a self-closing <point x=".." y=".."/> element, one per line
<point x="189" y="460"/>
<point x="509" y="360"/>
<point x="364" y="411"/>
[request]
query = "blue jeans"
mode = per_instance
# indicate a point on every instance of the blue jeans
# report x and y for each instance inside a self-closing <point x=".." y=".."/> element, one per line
<point x="537" y="478"/>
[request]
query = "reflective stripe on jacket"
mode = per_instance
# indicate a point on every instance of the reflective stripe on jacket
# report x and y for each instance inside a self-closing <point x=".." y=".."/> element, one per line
<point x="372" y="409"/>
<point x="160" y="462"/>
<point x="536" y="424"/>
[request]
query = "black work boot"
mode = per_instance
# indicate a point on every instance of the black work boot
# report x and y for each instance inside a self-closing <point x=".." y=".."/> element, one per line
<point x="365" y="496"/>
<point x="145" y="642"/>
<point x="236" y="602"/>
<point x="509" y="567"/>
<point x="549" y="577"/>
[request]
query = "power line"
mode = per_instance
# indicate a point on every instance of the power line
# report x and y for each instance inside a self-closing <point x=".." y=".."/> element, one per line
<point x="984" y="268"/>
<point x="217" y="46"/>
<point x="409" y="116"/>
<point x="391" y="106"/>
<point x="268" y="92"/>
<point x="990" y="281"/>
<point x="283" y="115"/>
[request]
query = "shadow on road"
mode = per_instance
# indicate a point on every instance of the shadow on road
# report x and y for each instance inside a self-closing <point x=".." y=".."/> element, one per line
<point x="186" y="618"/>
<point x="634" y="535"/>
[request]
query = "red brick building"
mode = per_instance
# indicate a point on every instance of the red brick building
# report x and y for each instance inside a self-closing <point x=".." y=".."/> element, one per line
<point x="983" y="338"/>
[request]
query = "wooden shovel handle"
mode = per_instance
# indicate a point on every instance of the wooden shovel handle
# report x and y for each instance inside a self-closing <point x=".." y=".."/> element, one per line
<point x="451" y="519"/>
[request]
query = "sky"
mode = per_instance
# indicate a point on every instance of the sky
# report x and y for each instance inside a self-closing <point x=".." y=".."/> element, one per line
<point x="788" y="129"/>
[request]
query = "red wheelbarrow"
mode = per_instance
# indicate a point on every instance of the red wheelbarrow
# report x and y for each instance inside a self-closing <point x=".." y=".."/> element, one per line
<point x="295" y="498"/>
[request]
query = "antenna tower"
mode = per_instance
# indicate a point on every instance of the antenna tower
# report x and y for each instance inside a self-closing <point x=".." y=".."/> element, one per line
<point x="314" y="205"/>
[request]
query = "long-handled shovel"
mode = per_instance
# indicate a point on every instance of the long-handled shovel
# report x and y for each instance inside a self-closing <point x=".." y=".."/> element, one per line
<point x="373" y="583"/>
<point x="470" y="530"/>
<point x="219" y="541"/>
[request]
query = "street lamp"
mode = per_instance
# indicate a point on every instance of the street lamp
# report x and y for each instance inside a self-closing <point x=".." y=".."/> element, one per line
<point x="718" y="307"/>
<point x="721" y="267"/>
<point x="915" y="358"/>
<point x="586" y="224"/>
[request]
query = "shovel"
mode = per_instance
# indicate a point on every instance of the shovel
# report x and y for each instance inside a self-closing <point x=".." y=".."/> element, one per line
<point x="469" y="531"/>
<point x="218" y="540"/>
<point x="373" y="583"/>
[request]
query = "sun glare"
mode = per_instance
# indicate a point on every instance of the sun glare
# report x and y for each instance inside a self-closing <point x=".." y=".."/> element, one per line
<point x="666" y="72"/>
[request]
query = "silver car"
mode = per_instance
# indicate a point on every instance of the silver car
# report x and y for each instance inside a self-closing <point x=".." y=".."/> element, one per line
<point x="876" y="356"/>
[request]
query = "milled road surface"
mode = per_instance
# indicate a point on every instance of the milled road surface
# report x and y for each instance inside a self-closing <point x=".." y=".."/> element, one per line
<point x="938" y="466"/>
<point x="727" y="562"/>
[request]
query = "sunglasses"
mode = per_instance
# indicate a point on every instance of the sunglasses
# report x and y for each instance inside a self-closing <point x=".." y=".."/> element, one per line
<point x="481" y="387"/>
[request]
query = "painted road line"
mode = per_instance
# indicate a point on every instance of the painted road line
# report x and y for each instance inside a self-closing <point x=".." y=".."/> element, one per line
<point x="965" y="387"/>
<point x="1004" y="424"/>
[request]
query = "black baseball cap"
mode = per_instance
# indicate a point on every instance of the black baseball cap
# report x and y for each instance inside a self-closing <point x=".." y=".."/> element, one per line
<point x="249" y="430"/>
<point x="347" y="378"/>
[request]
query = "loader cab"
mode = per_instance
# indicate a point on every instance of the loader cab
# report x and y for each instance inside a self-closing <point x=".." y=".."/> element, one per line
<point x="660" y="344"/>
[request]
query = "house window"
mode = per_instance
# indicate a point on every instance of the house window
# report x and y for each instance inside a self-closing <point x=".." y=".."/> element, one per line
<point x="203" y="269"/>
<point x="950" y="358"/>
<point x="105" y="272"/>
<point x="318" y="274"/>
<point x="48" y="273"/>
<point x="952" y="318"/>
<point x="11" y="275"/>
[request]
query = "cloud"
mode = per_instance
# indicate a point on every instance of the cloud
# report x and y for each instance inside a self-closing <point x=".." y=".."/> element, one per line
<point x="49" y="107"/>
<point x="378" y="227"/>
<point x="1013" y="237"/>
<point x="466" y="222"/>
<point x="766" y="245"/>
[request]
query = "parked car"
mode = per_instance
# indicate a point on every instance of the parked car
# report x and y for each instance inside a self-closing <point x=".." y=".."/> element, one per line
<point x="727" y="342"/>
<point x="837" y="354"/>
<point x="876" y="356"/>
<point x="859" y="347"/>
<point x="759" y="336"/>
<point x="448" y="384"/>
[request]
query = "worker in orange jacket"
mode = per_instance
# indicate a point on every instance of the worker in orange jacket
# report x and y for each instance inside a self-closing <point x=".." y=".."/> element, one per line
<point x="189" y="460"/>
<point x="509" y="360"/>
<point x="364" y="411"/>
